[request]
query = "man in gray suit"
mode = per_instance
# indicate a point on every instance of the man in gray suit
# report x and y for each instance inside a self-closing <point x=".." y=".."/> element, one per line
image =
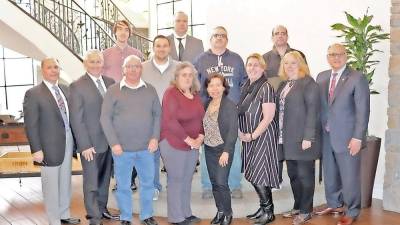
<point x="183" y="46"/>
<point x="344" y="117"/>
<point x="51" y="141"/>
<point x="86" y="98"/>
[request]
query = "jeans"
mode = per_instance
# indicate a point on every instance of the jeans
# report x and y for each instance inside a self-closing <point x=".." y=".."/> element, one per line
<point x="157" y="183"/>
<point x="235" y="174"/>
<point x="143" y="161"/>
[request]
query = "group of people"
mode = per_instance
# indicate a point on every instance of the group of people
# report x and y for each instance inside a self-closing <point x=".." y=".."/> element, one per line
<point x="247" y="117"/>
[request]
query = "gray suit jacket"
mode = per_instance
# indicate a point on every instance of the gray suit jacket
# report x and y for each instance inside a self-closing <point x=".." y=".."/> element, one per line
<point x="85" y="107"/>
<point x="348" y="113"/>
<point x="193" y="48"/>
<point x="301" y="120"/>
<point x="44" y="124"/>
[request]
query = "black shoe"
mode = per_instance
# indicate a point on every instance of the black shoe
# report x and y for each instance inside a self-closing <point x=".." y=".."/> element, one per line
<point x="96" y="223"/>
<point x="114" y="188"/>
<point x="107" y="215"/>
<point x="185" y="222"/>
<point x="163" y="170"/>
<point x="149" y="221"/>
<point x="227" y="220"/>
<point x="71" y="221"/>
<point x="217" y="218"/>
<point x="124" y="222"/>
<point x="133" y="186"/>
<point x="255" y="215"/>
<point x="193" y="219"/>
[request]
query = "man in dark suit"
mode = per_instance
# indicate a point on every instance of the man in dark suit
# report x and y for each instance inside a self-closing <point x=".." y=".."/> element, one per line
<point x="51" y="141"/>
<point x="344" y="117"/>
<point x="183" y="46"/>
<point x="86" y="99"/>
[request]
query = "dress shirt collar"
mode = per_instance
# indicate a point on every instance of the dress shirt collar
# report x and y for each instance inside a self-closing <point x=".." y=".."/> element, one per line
<point x="123" y="83"/>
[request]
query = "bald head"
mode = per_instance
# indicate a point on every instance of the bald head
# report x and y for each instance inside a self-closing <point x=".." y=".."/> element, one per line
<point x="50" y="70"/>
<point x="337" y="56"/>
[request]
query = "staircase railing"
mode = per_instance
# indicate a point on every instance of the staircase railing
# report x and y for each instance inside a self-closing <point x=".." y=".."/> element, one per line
<point x="70" y="24"/>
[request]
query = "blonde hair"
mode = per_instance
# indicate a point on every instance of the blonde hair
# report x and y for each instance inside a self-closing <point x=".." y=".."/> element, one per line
<point x="303" y="68"/>
<point x="195" y="88"/>
<point x="259" y="58"/>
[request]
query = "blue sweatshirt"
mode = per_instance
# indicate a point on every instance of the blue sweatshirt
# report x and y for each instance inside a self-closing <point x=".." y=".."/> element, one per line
<point x="229" y="64"/>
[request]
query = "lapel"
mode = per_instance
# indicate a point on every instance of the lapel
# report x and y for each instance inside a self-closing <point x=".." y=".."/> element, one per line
<point x="325" y="86"/>
<point x="107" y="82"/>
<point x="47" y="94"/>
<point x="174" y="54"/>
<point x="92" y="85"/>
<point x="340" y="84"/>
<point x="187" y="45"/>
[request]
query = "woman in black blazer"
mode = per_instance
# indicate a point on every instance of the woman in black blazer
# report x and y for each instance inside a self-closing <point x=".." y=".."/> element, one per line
<point x="221" y="131"/>
<point x="299" y="141"/>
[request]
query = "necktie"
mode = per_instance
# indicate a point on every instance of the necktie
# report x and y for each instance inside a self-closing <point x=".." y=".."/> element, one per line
<point x="100" y="87"/>
<point x="180" y="49"/>
<point x="332" y="87"/>
<point x="61" y="105"/>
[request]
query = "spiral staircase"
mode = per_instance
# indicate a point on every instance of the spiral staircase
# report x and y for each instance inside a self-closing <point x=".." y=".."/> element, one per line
<point x="61" y="29"/>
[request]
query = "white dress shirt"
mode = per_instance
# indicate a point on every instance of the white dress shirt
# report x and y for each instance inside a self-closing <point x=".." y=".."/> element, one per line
<point x="50" y="87"/>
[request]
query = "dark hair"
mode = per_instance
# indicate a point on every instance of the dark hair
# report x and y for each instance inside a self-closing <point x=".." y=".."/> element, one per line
<point x="161" y="37"/>
<point x="122" y="23"/>
<point x="221" y="78"/>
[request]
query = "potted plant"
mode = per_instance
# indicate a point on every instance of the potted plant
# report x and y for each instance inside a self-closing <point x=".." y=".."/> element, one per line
<point x="360" y="36"/>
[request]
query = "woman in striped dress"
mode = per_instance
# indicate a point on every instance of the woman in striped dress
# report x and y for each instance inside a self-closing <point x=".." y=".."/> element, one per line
<point x="258" y="131"/>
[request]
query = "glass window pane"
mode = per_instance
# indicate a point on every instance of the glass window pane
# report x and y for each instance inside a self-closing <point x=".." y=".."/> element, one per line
<point x="166" y="32"/>
<point x="2" y="100"/>
<point x="15" y="98"/>
<point x="162" y="1"/>
<point x="1" y="51"/>
<point x="8" y="53"/>
<point x="1" y="72"/>
<point x="199" y="14"/>
<point x="165" y="16"/>
<point x="200" y="32"/>
<point x="18" y="71"/>
<point x="185" y="7"/>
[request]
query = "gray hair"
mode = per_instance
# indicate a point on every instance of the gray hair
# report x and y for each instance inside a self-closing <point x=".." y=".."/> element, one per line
<point x="92" y="52"/>
<point x="130" y="58"/>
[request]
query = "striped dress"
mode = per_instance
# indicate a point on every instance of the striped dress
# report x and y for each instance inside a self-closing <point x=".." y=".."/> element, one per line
<point x="260" y="157"/>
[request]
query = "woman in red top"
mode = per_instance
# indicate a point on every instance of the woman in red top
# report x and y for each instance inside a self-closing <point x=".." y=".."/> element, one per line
<point x="181" y="137"/>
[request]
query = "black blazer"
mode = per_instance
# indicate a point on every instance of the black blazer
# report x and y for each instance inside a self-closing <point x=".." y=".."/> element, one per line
<point x="85" y="107"/>
<point x="44" y="124"/>
<point x="227" y="123"/>
<point x="301" y="120"/>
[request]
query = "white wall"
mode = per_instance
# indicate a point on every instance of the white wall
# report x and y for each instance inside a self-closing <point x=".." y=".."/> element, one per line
<point x="250" y="22"/>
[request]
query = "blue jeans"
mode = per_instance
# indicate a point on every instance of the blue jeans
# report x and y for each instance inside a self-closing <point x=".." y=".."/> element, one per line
<point x="235" y="174"/>
<point x="157" y="183"/>
<point x="144" y="163"/>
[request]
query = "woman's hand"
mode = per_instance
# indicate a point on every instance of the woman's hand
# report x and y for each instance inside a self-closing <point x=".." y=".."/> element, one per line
<point x="223" y="159"/>
<point x="306" y="144"/>
<point x="246" y="137"/>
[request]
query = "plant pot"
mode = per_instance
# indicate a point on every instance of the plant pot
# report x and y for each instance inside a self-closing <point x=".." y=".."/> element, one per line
<point x="369" y="162"/>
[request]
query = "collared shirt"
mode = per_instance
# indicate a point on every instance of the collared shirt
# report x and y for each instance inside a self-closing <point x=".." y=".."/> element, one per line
<point x="94" y="79"/>
<point x="176" y="41"/>
<point x="114" y="58"/>
<point x="161" y="67"/>
<point x="339" y="74"/>
<point x="50" y="87"/>
<point x="123" y="83"/>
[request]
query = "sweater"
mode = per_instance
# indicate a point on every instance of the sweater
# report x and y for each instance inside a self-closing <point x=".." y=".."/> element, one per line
<point x="131" y="117"/>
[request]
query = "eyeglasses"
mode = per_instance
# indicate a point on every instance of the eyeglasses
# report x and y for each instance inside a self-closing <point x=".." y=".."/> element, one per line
<point x="280" y="33"/>
<point x="133" y="66"/>
<point x="219" y="35"/>
<point x="335" y="55"/>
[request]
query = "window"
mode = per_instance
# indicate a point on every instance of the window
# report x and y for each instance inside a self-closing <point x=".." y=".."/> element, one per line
<point x="17" y="75"/>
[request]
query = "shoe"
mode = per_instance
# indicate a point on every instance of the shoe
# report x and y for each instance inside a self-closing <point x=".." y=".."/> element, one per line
<point x="291" y="213"/>
<point x="207" y="194"/>
<point x="218" y="218"/>
<point x="326" y="211"/>
<point x="149" y="221"/>
<point x="193" y="219"/>
<point x="124" y="222"/>
<point x="96" y="223"/>
<point x="156" y="194"/>
<point x="185" y="222"/>
<point x="114" y="188"/>
<point x="163" y="170"/>
<point x="345" y="220"/>
<point x="133" y="187"/>
<point x="108" y="216"/>
<point x="71" y="221"/>
<point x="266" y="203"/>
<point x="227" y="220"/>
<point x="255" y="215"/>
<point x="301" y="218"/>
<point x="237" y="193"/>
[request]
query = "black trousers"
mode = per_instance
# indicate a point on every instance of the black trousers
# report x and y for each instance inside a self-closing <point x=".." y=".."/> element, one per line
<point x="219" y="179"/>
<point x="302" y="181"/>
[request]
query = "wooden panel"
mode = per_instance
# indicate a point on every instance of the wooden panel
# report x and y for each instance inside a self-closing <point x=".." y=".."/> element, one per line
<point x="13" y="135"/>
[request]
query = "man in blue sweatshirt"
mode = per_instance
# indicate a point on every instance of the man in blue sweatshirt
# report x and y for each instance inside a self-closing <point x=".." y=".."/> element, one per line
<point x="221" y="60"/>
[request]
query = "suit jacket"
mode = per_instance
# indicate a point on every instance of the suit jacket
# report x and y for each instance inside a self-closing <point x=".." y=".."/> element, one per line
<point x="193" y="48"/>
<point x="228" y="124"/>
<point x="44" y="124"/>
<point x="348" y="114"/>
<point x="85" y="107"/>
<point x="301" y="120"/>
